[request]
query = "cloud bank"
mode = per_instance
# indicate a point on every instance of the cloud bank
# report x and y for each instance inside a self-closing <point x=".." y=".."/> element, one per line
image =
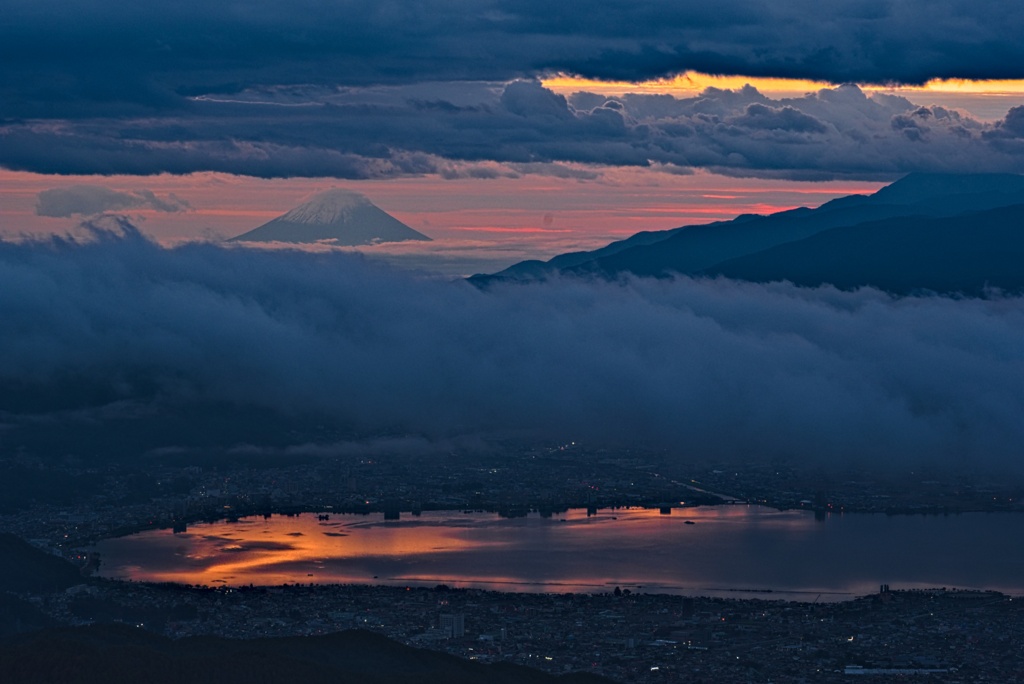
<point x="350" y="89"/>
<point x="118" y="331"/>
<point x="83" y="58"/>
<point x="490" y="130"/>
<point x="88" y="200"/>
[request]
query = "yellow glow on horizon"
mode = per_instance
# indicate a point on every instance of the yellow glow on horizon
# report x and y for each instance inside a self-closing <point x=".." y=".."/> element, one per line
<point x="692" y="83"/>
<point x="1004" y="87"/>
<point x="685" y="84"/>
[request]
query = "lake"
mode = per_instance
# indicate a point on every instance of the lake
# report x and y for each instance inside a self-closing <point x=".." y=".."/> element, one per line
<point x="739" y="551"/>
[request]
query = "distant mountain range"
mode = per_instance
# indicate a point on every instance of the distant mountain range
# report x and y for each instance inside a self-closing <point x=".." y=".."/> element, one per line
<point x="944" y="233"/>
<point x="337" y="217"/>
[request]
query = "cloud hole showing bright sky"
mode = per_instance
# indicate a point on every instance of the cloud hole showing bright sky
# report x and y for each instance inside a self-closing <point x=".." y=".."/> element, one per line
<point x="708" y="369"/>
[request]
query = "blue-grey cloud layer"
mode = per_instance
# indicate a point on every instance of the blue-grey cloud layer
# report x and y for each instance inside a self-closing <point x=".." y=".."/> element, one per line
<point x="87" y="200"/>
<point x="706" y="368"/>
<point x="108" y="86"/>
<point x="91" y="53"/>
<point x="259" y="88"/>
<point x="454" y="129"/>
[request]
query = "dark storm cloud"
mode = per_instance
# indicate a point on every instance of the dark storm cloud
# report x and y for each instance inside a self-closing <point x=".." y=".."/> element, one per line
<point x="66" y="58"/>
<point x="448" y="128"/>
<point x="1008" y="135"/>
<point x="762" y="117"/>
<point x="86" y="200"/>
<point x="707" y="368"/>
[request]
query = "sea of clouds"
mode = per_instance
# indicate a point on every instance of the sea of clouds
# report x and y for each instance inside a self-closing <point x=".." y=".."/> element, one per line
<point x="115" y="325"/>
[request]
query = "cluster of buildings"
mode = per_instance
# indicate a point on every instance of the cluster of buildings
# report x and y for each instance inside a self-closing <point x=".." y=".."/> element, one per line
<point x="550" y="480"/>
<point x="860" y="490"/>
<point x="953" y="636"/>
<point x="948" y="636"/>
<point x="117" y="499"/>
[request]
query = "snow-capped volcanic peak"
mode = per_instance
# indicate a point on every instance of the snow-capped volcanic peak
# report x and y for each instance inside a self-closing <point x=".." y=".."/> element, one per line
<point x="341" y="217"/>
<point x="331" y="206"/>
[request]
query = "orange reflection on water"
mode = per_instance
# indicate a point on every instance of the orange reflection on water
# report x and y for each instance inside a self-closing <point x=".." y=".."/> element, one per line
<point x="565" y="552"/>
<point x="281" y="549"/>
<point x="705" y="550"/>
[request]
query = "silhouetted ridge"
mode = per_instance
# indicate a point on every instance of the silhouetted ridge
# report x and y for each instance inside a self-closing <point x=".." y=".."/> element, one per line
<point x="922" y="187"/>
<point x="969" y="254"/>
<point x="714" y="249"/>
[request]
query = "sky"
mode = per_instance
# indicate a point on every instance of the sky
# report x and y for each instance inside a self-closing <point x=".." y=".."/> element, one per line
<point x="505" y="130"/>
<point x="477" y="224"/>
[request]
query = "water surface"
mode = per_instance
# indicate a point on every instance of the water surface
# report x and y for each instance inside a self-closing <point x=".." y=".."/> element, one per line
<point x="721" y="550"/>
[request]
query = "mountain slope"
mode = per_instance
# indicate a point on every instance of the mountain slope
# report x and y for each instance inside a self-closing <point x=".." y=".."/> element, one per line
<point x="695" y="249"/>
<point x="534" y="269"/>
<point x="338" y="217"/>
<point x="968" y="254"/>
<point x="692" y="250"/>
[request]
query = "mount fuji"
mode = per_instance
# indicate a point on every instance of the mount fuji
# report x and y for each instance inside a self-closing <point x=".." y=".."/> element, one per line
<point x="338" y="217"/>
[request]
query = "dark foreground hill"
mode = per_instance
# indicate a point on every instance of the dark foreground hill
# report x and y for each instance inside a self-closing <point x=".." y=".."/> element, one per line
<point x="121" y="654"/>
<point x="715" y="249"/>
<point x="24" y="568"/>
<point x="18" y="615"/>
